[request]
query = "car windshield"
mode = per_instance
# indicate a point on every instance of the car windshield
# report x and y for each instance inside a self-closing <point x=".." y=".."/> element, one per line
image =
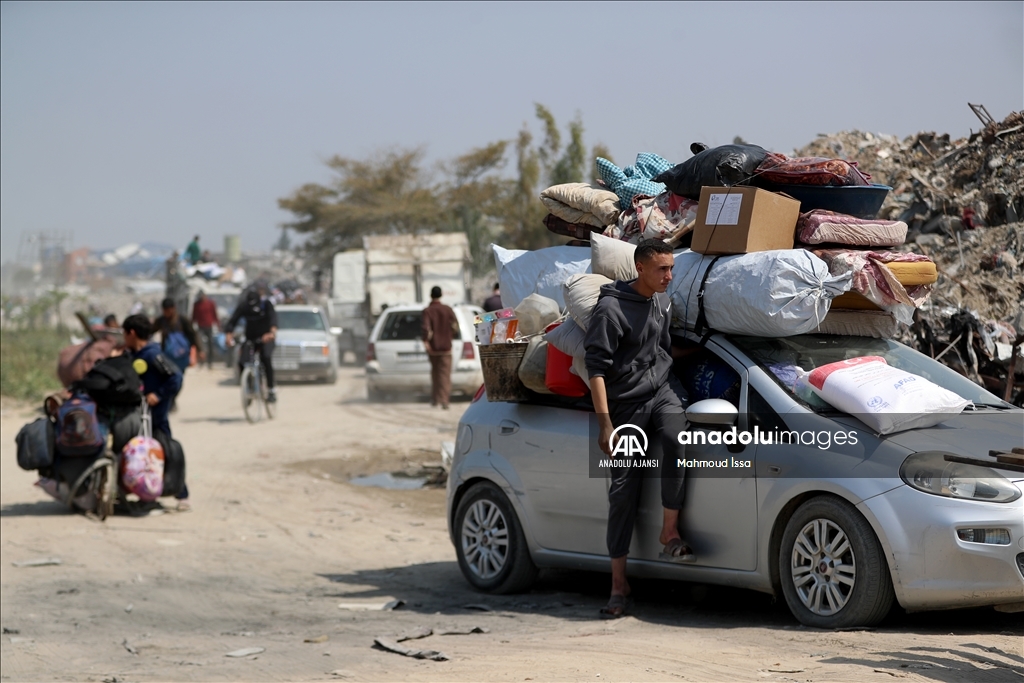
<point x="299" y="320"/>
<point x="404" y="326"/>
<point x="784" y="358"/>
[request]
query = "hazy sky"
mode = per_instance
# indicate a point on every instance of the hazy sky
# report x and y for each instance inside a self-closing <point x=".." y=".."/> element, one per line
<point x="148" y="121"/>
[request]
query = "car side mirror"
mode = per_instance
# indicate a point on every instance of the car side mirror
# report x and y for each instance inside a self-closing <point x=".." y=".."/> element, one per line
<point x="336" y="331"/>
<point x="712" y="411"/>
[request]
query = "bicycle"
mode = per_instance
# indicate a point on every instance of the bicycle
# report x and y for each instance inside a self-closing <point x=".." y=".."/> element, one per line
<point x="255" y="391"/>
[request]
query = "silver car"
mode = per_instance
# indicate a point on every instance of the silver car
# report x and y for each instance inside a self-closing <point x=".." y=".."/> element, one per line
<point x="925" y="517"/>
<point x="307" y="347"/>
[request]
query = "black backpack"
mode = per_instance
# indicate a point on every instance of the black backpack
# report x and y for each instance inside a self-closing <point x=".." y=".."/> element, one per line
<point x="174" y="463"/>
<point x="36" y="444"/>
<point x="113" y="382"/>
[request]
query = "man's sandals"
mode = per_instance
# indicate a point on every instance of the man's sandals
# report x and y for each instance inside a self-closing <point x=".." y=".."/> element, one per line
<point x="617" y="607"/>
<point x="677" y="550"/>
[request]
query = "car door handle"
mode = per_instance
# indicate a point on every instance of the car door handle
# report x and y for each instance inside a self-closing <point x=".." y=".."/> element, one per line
<point x="506" y="427"/>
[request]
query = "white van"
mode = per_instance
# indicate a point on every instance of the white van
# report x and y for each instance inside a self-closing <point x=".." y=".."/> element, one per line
<point x="396" y="358"/>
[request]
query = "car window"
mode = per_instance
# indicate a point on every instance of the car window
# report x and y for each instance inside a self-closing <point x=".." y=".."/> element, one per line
<point x="784" y="359"/>
<point x="401" y="325"/>
<point x="299" y="320"/>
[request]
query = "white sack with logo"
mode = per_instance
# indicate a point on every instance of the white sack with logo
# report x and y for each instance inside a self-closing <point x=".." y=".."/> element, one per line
<point x="884" y="398"/>
<point x="542" y="271"/>
<point x="776" y="293"/>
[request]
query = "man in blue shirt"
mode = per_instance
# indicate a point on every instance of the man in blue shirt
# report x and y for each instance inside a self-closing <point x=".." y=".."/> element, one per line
<point x="161" y="378"/>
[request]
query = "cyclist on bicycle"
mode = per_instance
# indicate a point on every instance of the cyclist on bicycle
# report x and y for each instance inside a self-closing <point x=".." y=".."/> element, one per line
<point x="260" y="329"/>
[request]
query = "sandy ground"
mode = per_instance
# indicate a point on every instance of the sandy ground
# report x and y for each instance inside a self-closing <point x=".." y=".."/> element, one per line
<point x="278" y="539"/>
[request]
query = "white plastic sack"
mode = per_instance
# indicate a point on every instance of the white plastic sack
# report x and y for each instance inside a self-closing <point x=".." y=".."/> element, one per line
<point x="567" y="338"/>
<point x="535" y="313"/>
<point x="884" y="398"/>
<point x="534" y="365"/>
<point x="544" y="271"/>
<point x="579" y="368"/>
<point x="612" y="258"/>
<point x="776" y="293"/>
<point x="581" y="295"/>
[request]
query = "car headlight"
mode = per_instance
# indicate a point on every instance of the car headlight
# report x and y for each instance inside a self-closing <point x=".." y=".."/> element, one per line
<point x="932" y="473"/>
<point x="314" y="351"/>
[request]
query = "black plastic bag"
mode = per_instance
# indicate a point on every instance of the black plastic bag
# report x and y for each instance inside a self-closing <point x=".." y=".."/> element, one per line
<point x="36" y="444"/>
<point x="716" y="167"/>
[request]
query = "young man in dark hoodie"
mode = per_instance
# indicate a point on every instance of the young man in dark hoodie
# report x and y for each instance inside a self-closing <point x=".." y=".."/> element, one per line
<point x="629" y="360"/>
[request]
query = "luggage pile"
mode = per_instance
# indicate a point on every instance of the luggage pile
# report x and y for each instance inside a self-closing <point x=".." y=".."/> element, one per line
<point x="94" y="446"/>
<point x="764" y="245"/>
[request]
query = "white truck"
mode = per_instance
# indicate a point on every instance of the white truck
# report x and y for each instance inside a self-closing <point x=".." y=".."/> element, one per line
<point x="390" y="270"/>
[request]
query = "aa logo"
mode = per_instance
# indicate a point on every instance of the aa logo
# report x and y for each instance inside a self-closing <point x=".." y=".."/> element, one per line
<point x="632" y="441"/>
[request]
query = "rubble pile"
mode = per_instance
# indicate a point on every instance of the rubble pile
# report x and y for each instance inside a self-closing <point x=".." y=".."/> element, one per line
<point x="938" y="183"/>
<point x="963" y="201"/>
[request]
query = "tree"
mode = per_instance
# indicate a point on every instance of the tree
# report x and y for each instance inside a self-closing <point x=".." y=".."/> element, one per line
<point x="387" y="194"/>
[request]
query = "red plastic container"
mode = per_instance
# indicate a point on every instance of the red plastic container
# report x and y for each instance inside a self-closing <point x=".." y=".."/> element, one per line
<point x="558" y="376"/>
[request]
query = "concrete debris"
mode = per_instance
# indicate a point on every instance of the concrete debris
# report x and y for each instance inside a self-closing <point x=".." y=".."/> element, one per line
<point x="963" y="201"/>
<point x="41" y="562"/>
<point x="246" y="652"/>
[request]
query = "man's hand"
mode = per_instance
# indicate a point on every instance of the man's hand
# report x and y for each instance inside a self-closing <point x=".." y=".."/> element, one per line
<point x="268" y="337"/>
<point x="152" y="399"/>
<point x="229" y="339"/>
<point x="202" y="356"/>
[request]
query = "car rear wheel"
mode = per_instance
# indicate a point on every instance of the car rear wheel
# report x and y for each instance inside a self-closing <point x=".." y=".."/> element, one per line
<point x="490" y="544"/>
<point x="832" y="567"/>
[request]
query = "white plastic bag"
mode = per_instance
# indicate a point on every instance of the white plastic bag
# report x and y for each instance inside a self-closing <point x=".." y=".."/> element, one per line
<point x="533" y="367"/>
<point x="776" y="293"/>
<point x="884" y="398"/>
<point x="535" y="313"/>
<point x="544" y="271"/>
<point x="567" y="338"/>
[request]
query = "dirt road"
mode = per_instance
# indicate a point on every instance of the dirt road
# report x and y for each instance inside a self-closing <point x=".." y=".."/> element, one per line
<point x="278" y="539"/>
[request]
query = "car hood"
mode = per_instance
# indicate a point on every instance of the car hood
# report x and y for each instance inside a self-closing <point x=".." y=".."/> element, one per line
<point x="972" y="434"/>
<point x="298" y="336"/>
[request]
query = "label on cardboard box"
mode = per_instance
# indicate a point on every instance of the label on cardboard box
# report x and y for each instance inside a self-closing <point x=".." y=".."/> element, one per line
<point x="723" y="209"/>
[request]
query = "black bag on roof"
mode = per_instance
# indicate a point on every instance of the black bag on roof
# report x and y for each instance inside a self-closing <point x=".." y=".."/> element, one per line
<point x="113" y="382"/>
<point x="722" y="166"/>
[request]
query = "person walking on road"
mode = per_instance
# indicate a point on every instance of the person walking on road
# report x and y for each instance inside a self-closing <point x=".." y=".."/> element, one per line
<point x="161" y="379"/>
<point x="439" y="328"/>
<point x="260" y="329"/>
<point x="629" y="360"/>
<point x="204" y="316"/>
<point x="177" y="336"/>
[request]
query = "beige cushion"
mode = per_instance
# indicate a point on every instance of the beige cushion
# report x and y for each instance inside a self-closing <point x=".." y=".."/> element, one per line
<point x="582" y="203"/>
<point x="612" y="258"/>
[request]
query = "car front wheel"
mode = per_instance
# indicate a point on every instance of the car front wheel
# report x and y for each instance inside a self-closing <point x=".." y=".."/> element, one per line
<point x="490" y="544"/>
<point x="832" y="567"/>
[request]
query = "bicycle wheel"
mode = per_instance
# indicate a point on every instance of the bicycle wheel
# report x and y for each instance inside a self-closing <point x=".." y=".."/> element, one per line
<point x="250" y="397"/>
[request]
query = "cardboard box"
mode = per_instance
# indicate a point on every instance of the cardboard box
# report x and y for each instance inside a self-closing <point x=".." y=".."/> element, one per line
<point x="739" y="220"/>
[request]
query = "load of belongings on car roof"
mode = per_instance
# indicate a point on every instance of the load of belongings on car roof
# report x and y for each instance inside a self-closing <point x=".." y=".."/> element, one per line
<point x="764" y="245"/>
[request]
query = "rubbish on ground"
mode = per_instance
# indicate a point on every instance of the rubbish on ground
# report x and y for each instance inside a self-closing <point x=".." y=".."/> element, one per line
<point x="41" y="562"/>
<point x="462" y="631"/>
<point x="392" y="646"/>
<point x="246" y="652"/>
<point x="414" y="634"/>
<point x="129" y="607"/>
<point x="389" y="480"/>
<point x="317" y="639"/>
<point x="386" y="606"/>
<point x="131" y="650"/>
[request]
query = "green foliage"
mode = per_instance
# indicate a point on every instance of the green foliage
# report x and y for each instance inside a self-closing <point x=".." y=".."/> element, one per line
<point x="391" y="193"/>
<point x="28" y="362"/>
